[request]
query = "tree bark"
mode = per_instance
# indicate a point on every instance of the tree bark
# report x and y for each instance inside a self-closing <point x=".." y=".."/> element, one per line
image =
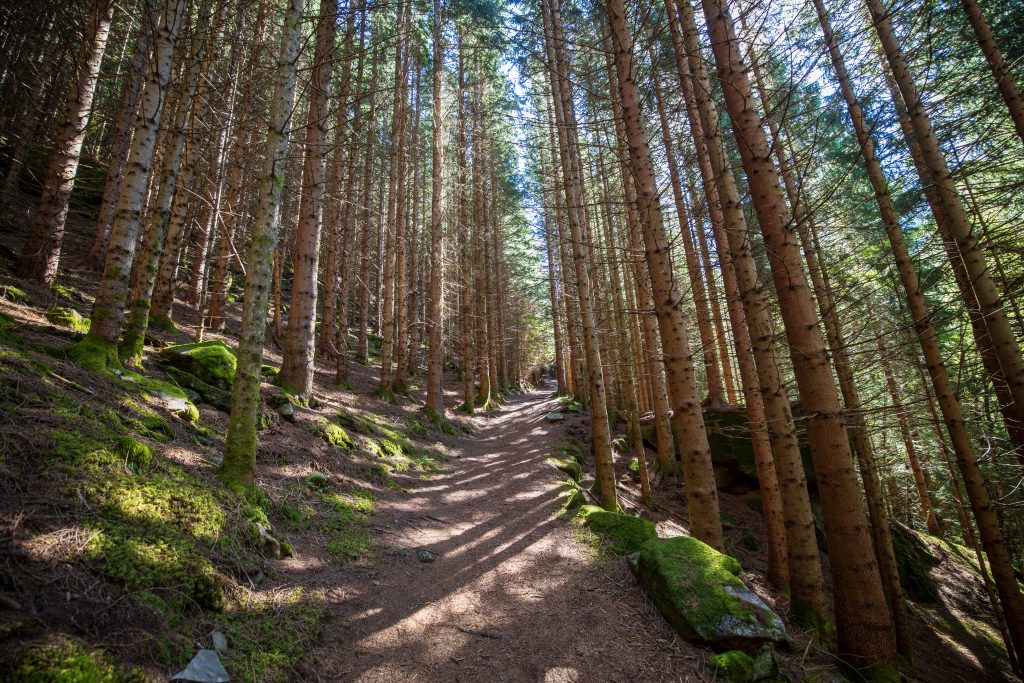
<point x="239" y="465"/>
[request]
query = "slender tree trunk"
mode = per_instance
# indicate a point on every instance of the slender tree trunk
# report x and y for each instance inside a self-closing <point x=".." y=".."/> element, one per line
<point x="141" y="291"/>
<point x="974" y="481"/>
<point x="956" y="227"/>
<point x="239" y="465"/>
<point x="752" y="325"/>
<point x="1000" y="69"/>
<point x="435" y="323"/>
<point x="715" y="395"/>
<point x="298" y="368"/>
<point x="122" y="137"/>
<point x="41" y="250"/>
<point x="688" y="418"/>
<point x="564" y="115"/>
<point x="862" y="614"/>
<point x="99" y="348"/>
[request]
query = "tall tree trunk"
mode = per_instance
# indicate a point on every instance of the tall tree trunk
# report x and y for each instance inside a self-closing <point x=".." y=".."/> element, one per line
<point x="752" y="325"/>
<point x="864" y="623"/>
<point x="298" y="368"/>
<point x="98" y="350"/>
<point x="688" y="418"/>
<point x="565" y="116"/>
<point x="1000" y="69"/>
<point x="716" y="394"/>
<point x="139" y="300"/>
<point x="239" y="465"/>
<point x="956" y="227"/>
<point x="122" y="135"/>
<point x="41" y="250"/>
<point x="435" y="323"/>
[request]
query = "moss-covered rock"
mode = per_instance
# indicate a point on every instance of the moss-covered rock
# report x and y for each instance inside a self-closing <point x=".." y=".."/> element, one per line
<point x="213" y="361"/>
<point x="136" y="454"/>
<point x="60" y="660"/>
<point x="570" y="467"/>
<point x="68" y="318"/>
<point x="14" y="295"/>
<point x="335" y="435"/>
<point x="627" y="533"/>
<point x="207" y="393"/>
<point x="735" y="666"/>
<point x="698" y="591"/>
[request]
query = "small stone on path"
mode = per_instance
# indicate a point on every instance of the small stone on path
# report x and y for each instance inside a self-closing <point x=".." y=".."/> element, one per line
<point x="554" y="417"/>
<point x="425" y="556"/>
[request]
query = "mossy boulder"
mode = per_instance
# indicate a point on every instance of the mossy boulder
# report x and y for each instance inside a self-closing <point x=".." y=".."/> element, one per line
<point x="732" y="450"/>
<point x="736" y="666"/>
<point x="68" y="318"/>
<point x="699" y="592"/>
<point x="570" y="467"/>
<point x="213" y="361"/>
<point x="14" y="295"/>
<point x="207" y="393"/>
<point x="626" y="533"/>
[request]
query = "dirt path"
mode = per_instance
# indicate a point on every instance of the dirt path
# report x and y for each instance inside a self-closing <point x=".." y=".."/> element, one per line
<point x="514" y="594"/>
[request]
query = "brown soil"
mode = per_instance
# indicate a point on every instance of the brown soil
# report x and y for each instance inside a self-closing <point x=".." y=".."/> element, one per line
<point x="514" y="593"/>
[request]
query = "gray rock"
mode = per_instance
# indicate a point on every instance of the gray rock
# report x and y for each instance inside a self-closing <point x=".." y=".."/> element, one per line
<point x="425" y="556"/>
<point x="554" y="417"/>
<point x="257" y="581"/>
<point x="220" y="642"/>
<point x="205" y="667"/>
<point x="287" y="411"/>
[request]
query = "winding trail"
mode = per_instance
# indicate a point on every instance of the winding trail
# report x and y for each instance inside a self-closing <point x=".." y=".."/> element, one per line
<point x="514" y="594"/>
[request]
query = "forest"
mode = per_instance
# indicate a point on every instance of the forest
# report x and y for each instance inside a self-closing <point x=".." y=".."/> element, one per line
<point x="526" y="340"/>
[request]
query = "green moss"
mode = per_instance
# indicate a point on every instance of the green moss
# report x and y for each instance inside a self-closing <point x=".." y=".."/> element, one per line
<point x="95" y="354"/>
<point x="627" y="533"/>
<point x="318" y="480"/>
<point x="172" y="395"/>
<point x="136" y="454"/>
<point x="732" y="666"/>
<point x="570" y="404"/>
<point x="63" y="661"/>
<point x="350" y="545"/>
<point x="269" y="371"/>
<point x="570" y="467"/>
<point x="167" y="563"/>
<point x="7" y="322"/>
<point x="268" y="639"/>
<point x="335" y="435"/>
<point x="163" y="323"/>
<point x="68" y="318"/>
<point x="735" y="666"/>
<point x="573" y="497"/>
<point x="14" y="295"/>
<point x="213" y="361"/>
<point x="634" y="466"/>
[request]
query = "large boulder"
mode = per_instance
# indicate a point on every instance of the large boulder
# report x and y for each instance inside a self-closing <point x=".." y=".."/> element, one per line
<point x="626" y="533"/>
<point x="213" y="361"/>
<point x="732" y="450"/>
<point x="699" y="592"/>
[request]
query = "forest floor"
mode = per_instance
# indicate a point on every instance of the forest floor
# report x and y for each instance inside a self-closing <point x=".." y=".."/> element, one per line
<point x="512" y="591"/>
